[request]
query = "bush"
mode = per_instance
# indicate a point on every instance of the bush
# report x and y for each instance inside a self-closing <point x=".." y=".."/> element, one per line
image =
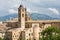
<point x="48" y="33"/>
<point x="1" y="38"/>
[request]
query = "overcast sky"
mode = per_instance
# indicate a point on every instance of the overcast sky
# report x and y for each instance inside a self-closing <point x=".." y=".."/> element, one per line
<point x="47" y="7"/>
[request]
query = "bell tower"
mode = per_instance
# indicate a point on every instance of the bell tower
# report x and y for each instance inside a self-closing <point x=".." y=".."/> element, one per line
<point x="21" y="16"/>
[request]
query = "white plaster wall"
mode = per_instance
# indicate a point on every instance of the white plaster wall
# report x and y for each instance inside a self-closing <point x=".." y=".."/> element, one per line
<point x="36" y="30"/>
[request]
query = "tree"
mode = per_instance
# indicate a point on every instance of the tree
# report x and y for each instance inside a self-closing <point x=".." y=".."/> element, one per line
<point x="1" y="38"/>
<point x="50" y="33"/>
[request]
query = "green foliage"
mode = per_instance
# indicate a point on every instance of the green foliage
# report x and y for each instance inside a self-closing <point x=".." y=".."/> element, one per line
<point x="51" y="33"/>
<point x="1" y="38"/>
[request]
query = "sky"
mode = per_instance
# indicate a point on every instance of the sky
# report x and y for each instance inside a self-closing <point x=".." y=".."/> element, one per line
<point x="47" y="7"/>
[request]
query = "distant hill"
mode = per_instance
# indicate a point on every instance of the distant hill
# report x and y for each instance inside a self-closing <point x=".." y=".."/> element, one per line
<point x="34" y="16"/>
<point x="7" y="17"/>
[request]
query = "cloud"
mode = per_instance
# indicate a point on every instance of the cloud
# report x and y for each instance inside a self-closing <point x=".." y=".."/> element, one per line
<point x="33" y="1"/>
<point x="32" y="11"/>
<point x="12" y="11"/>
<point x="55" y="11"/>
<point x="29" y="10"/>
<point x="36" y="6"/>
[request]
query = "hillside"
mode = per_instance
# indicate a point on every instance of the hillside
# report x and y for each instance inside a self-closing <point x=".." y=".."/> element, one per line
<point x="34" y="16"/>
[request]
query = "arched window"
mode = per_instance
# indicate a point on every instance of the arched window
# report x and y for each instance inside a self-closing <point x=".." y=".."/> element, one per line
<point x="22" y="15"/>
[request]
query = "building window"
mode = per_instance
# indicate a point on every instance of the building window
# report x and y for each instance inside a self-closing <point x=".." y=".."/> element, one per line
<point x="43" y="23"/>
<point x="34" y="39"/>
<point x="29" y="34"/>
<point x="23" y="10"/>
<point x="19" y="32"/>
<point x="22" y="15"/>
<point x="26" y="18"/>
<point x="13" y="35"/>
<point x="16" y="25"/>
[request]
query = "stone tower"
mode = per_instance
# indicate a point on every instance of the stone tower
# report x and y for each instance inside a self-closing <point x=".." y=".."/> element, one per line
<point x="21" y="16"/>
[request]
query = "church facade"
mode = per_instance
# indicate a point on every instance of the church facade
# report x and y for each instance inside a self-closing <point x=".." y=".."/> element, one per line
<point x="25" y="28"/>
